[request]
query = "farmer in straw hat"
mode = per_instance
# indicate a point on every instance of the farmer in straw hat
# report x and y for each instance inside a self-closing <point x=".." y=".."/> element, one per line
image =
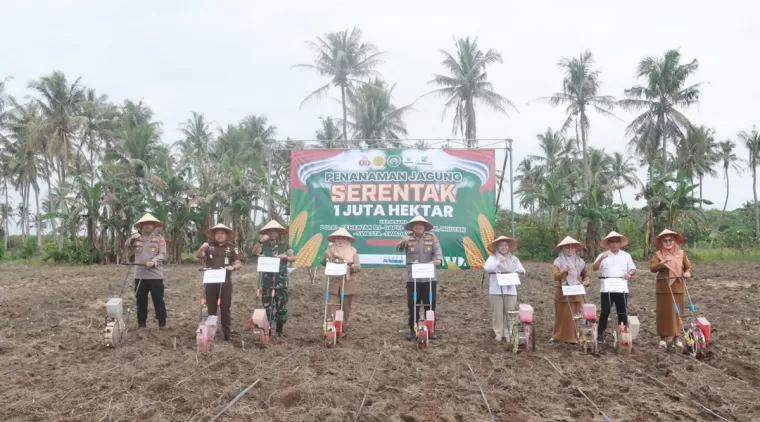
<point x="420" y="247"/>
<point x="340" y="251"/>
<point x="150" y="250"/>
<point x="274" y="244"/>
<point x="569" y="270"/>
<point x="614" y="264"/>
<point x="673" y="268"/>
<point x="220" y="252"/>
<point x="502" y="261"/>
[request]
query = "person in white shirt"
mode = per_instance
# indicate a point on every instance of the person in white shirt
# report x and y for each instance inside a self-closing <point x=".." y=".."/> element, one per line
<point x="503" y="298"/>
<point x="615" y="264"/>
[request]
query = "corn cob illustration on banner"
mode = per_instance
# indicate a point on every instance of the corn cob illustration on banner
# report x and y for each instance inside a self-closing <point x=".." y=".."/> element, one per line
<point x="374" y="193"/>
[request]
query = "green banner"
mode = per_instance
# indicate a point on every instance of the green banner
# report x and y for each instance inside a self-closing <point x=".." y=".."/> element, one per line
<point x="373" y="193"/>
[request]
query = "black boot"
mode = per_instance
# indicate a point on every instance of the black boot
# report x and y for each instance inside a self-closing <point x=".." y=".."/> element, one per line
<point x="279" y="328"/>
<point x="411" y="335"/>
<point x="227" y="337"/>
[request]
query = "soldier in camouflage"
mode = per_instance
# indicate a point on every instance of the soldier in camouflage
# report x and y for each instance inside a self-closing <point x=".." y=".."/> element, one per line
<point x="150" y="252"/>
<point x="219" y="252"/>
<point x="420" y="247"/>
<point x="274" y="244"/>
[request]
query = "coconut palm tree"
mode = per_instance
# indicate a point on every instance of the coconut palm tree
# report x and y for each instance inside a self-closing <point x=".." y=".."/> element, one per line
<point x="61" y="105"/>
<point x="345" y="58"/>
<point x="752" y="142"/>
<point x="467" y="83"/>
<point x="329" y="134"/>
<point x="729" y="160"/>
<point x="623" y="173"/>
<point x="196" y="134"/>
<point x="696" y="155"/>
<point x="374" y="118"/>
<point x="580" y="93"/>
<point x="664" y="92"/>
<point x="555" y="148"/>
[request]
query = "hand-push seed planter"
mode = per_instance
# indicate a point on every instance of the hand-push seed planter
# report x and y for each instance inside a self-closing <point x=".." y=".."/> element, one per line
<point x="206" y="332"/>
<point x="116" y="329"/>
<point x="262" y="314"/>
<point x="522" y="332"/>
<point x="423" y="329"/>
<point x="332" y="326"/>
<point x="585" y="322"/>
<point x="697" y="334"/>
<point x="622" y="335"/>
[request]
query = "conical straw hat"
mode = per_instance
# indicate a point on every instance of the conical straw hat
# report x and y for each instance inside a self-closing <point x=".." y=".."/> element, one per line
<point x="657" y="242"/>
<point x="148" y="218"/>
<point x="624" y="241"/>
<point x="513" y="243"/>
<point x="230" y="233"/>
<point x="341" y="232"/>
<point x="418" y="219"/>
<point x="272" y="225"/>
<point x="569" y="241"/>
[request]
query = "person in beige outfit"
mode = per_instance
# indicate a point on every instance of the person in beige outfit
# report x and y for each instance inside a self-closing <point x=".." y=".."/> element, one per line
<point x="340" y="251"/>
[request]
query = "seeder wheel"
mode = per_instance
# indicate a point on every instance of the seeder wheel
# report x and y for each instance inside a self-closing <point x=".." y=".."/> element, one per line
<point x="331" y="339"/>
<point x="583" y="344"/>
<point x="113" y="336"/>
<point x="530" y="338"/>
<point x="514" y="339"/>
<point x="422" y="338"/>
<point x="594" y="344"/>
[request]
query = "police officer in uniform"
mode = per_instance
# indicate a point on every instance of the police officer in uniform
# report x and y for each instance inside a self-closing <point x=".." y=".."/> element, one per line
<point x="219" y="252"/>
<point x="150" y="252"/>
<point x="420" y="247"/>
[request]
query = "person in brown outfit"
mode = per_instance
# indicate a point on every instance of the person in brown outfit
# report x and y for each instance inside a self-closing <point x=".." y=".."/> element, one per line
<point x="569" y="269"/>
<point x="341" y="251"/>
<point x="150" y="253"/>
<point x="673" y="268"/>
<point x="220" y="253"/>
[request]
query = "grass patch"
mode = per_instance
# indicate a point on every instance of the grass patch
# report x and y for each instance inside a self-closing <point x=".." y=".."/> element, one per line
<point x="725" y="255"/>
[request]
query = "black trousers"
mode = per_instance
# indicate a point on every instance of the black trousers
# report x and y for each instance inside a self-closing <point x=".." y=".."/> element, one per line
<point x="423" y="297"/>
<point x="156" y="289"/>
<point x="620" y="300"/>
<point x="212" y="296"/>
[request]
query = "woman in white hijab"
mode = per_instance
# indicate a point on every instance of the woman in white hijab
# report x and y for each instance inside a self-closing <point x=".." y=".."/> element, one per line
<point x="502" y="298"/>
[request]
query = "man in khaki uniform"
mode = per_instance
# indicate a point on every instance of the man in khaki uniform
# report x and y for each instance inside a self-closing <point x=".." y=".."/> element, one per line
<point x="420" y="247"/>
<point x="219" y="252"/>
<point x="150" y="250"/>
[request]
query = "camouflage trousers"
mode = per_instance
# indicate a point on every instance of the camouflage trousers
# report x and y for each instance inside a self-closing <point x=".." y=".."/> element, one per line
<point x="277" y="306"/>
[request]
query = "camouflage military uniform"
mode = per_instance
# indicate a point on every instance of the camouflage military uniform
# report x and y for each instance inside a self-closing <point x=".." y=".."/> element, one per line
<point x="277" y="311"/>
<point x="149" y="248"/>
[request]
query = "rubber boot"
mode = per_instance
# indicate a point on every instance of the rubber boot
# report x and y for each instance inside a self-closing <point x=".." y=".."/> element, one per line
<point x="280" y="324"/>
<point x="227" y="337"/>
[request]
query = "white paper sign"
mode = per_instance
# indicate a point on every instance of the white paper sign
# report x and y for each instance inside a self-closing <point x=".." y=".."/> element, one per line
<point x="616" y="285"/>
<point x="508" y="279"/>
<point x="575" y="290"/>
<point x="214" y="276"/>
<point x="423" y="270"/>
<point x="335" y="269"/>
<point x="268" y="264"/>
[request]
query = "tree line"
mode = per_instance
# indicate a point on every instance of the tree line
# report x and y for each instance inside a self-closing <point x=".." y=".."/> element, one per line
<point x="86" y="167"/>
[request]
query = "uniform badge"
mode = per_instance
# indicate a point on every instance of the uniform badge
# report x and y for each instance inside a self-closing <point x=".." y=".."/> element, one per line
<point x="153" y="249"/>
<point x="163" y="242"/>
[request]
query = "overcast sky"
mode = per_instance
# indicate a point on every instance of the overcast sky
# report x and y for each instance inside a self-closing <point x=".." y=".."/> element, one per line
<point x="228" y="59"/>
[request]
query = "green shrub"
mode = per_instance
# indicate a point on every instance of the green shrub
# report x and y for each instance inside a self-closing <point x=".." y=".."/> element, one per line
<point x="536" y="242"/>
<point x="85" y="253"/>
<point x="29" y="248"/>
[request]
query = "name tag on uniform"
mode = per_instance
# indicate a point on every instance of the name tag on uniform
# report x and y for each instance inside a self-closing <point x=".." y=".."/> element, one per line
<point x="423" y="270"/>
